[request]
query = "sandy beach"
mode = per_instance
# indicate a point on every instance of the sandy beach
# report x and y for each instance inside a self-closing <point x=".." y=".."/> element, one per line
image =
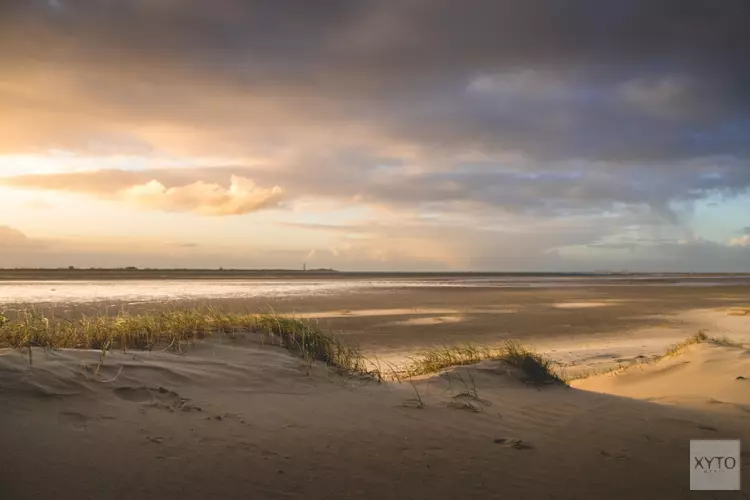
<point x="235" y="418"/>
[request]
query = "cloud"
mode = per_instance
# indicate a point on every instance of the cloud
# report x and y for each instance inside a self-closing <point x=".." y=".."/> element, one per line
<point x="11" y="237"/>
<point x="692" y="254"/>
<point x="554" y="190"/>
<point x="181" y="244"/>
<point x="668" y="96"/>
<point x="17" y="250"/>
<point x="401" y="239"/>
<point x="14" y="244"/>
<point x="37" y="205"/>
<point x="404" y="242"/>
<point x="243" y="196"/>
<point x="742" y="241"/>
<point x="236" y="76"/>
<point x="580" y="245"/>
<point x="90" y="182"/>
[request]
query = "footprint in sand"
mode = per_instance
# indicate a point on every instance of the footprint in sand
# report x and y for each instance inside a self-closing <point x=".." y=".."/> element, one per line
<point x="468" y="401"/>
<point x="616" y="456"/>
<point x="135" y="394"/>
<point x="78" y="421"/>
<point x="652" y="439"/>
<point x="706" y="427"/>
<point x="517" y="444"/>
<point x="465" y="405"/>
<point x="155" y="397"/>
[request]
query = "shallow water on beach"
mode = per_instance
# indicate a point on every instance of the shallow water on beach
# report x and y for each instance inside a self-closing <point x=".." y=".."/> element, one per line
<point x="162" y="290"/>
<point x="45" y="291"/>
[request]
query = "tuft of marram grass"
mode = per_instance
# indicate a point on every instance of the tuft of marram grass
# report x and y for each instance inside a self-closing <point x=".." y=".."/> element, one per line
<point x="680" y="347"/>
<point x="726" y="342"/>
<point x="174" y="329"/>
<point x="307" y="339"/>
<point x="435" y="360"/>
<point x="537" y="369"/>
<point x="31" y="327"/>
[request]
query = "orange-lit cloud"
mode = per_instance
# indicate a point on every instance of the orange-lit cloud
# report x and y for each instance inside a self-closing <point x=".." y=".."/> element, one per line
<point x="12" y="237"/>
<point x="242" y="196"/>
<point x="96" y="182"/>
<point x="742" y="241"/>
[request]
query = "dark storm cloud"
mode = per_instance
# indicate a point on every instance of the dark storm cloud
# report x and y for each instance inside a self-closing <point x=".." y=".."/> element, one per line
<point x="407" y="64"/>
<point x="405" y="38"/>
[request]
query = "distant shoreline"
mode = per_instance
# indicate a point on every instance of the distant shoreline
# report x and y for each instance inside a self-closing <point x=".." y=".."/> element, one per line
<point x="66" y="274"/>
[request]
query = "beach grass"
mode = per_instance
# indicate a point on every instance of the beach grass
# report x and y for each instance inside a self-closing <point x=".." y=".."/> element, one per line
<point x="179" y="328"/>
<point x="701" y="337"/>
<point x="672" y="351"/>
<point x="680" y="347"/>
<point x="173" y="329"/>
<point x="443" y="357"/>
<point x="536" y="368"/>
<point x="307" y="339"/>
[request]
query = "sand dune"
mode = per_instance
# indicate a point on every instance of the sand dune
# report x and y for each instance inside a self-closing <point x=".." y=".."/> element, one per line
<point x="237" y="420"/>
<point x="707" y="376"/>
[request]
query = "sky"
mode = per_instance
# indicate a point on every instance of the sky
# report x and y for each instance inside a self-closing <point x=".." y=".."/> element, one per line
<point x="389" y="135"/>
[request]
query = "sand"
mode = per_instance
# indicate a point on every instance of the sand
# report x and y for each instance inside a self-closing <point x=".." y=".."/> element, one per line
<point x="707" y="377"/>
<point x="430" y="320"/>
<point x="365" y="313"/>
<point x="581" y="305"/>
<point x="241" y="420"/>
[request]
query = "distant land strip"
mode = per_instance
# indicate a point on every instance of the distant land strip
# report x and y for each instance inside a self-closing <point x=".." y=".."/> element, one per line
<point x="133" y="273"/>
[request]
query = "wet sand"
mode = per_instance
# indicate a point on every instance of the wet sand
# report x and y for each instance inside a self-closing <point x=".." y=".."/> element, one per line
<point x="386" y="320"/>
